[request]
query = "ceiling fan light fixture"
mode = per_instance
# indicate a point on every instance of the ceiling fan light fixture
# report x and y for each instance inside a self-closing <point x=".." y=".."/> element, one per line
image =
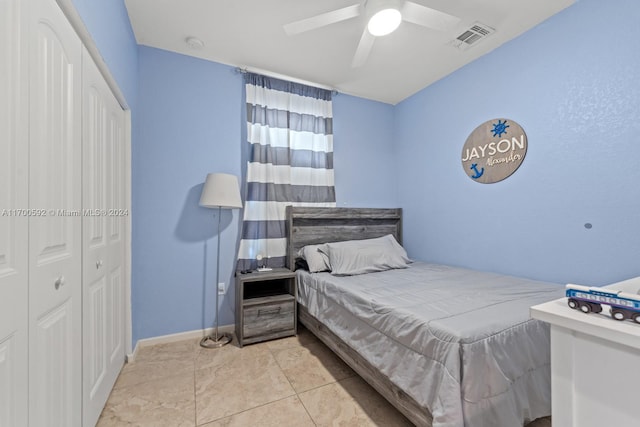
<point x="384" y="22"/>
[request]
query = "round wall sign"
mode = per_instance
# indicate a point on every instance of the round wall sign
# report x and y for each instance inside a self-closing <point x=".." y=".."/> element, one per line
<point x="494" y="151"/>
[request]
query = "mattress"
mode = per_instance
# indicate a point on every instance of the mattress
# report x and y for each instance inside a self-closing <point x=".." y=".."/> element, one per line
<point x="460" y="342"/>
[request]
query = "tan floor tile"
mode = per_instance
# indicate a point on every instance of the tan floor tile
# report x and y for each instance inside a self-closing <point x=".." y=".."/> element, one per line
<point x="159" y="361"/>
<point x="350" y="402"/>
<point x="303" y="338"/>
<point x="287" y="412"/>
<point x="240" y="384"/>
<point x="142" y="371"/>
<point x="162" y="402"/>
<point x="184" y="349"/>
<point x="214" y="357"/>
<point x="311" y="366"/>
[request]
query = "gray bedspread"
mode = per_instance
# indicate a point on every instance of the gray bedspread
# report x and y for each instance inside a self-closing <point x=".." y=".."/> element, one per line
<point x="460" y="342"/>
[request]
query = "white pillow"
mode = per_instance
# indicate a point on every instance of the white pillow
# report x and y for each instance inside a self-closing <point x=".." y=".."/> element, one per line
<point x="316" y="261"/>
<point x="365" y="256"/>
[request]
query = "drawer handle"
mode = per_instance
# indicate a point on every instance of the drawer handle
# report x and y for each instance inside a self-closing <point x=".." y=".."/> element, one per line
<point x="269" y="311"/>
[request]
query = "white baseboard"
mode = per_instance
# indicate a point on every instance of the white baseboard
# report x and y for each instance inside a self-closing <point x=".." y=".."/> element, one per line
<point x="163" y="339"/>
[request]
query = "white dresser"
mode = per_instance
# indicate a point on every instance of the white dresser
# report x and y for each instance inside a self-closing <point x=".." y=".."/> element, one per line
<point x="595" y="364"/>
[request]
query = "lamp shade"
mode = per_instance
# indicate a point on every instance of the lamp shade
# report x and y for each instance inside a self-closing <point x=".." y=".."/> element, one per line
<point x="221" y="190"/>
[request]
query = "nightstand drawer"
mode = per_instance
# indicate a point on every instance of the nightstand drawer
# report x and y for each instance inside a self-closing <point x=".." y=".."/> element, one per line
<point x="268" y="318"/>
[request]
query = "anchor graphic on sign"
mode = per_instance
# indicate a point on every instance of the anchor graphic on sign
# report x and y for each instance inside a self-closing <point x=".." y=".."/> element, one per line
<point x="478" y="174"/>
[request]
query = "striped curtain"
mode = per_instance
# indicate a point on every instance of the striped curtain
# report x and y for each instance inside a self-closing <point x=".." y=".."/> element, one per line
<point x="290" y="136"/>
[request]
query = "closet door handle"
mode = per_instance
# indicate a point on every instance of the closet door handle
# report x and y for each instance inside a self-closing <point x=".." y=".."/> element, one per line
<point x="98" y="264"/>
<point x="59" y="282"/>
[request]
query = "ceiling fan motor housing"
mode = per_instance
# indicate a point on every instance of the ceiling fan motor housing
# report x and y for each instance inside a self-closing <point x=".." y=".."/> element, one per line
<point x="372" y="7"/>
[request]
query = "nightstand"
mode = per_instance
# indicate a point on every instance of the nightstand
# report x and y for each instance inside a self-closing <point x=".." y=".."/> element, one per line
<point x="265" y="305"/>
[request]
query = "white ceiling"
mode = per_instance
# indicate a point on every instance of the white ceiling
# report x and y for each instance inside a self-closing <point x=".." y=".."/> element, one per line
<point x="250" y="34"/>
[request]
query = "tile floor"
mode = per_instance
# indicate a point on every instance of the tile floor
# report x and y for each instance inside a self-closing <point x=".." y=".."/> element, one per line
<point x="294" y="381"/>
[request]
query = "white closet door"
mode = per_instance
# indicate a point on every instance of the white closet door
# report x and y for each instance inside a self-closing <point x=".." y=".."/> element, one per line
<point x="14" y="151"/>
<point x="55" y="257"/>
<point x="103" y="242"/>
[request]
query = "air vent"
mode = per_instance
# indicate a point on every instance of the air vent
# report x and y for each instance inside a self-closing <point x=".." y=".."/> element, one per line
<point x="472" y="36"/>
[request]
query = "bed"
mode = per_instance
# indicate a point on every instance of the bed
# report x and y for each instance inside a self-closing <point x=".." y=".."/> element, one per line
<point x="449" y="347"/>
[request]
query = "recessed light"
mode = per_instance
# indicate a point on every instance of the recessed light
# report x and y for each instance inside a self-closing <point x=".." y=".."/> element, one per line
<point x="194" y="42"/>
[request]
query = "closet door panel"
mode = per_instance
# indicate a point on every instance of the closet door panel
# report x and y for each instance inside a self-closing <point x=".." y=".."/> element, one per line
<point x="115" y="344"/>
<point x="55" y="236"/>
<point x="117" y="215"/>
<point x="13" y="214"/>
<point x="12" y="410"/>
<point x="95" y="261"/>
<point x="103" y="245"/>
<point x="54" y="391"/>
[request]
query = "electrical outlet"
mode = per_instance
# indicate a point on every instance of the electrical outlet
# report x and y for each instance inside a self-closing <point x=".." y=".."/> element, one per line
<point x="221" y="288"/>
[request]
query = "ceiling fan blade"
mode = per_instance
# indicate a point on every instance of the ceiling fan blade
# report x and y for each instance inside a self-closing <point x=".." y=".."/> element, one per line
<point x="323" y="19"/>
<point x="427" y="17"/>
<point x="363" y="50"/>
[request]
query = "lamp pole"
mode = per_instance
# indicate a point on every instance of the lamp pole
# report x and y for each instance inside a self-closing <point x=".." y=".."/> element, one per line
<point x="217" y="340"/>
<point x="219" y="191"/>
<point x="217" y="274"/>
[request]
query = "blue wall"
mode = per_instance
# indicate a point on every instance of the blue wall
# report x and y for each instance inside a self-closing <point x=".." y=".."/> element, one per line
<point x="573" y="85"/>
<point x="109" y="26"/>
<point x="365" y="175"/>
<point x="190" y="123"/>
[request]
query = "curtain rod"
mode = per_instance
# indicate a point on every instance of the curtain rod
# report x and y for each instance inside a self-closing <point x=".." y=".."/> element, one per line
<point x="244" y="70"/>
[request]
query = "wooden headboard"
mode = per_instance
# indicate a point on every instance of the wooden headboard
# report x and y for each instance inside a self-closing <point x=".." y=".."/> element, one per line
<point x="313" y="226"/>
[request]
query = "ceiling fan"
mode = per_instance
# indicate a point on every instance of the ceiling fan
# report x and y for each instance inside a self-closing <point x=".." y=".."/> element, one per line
<point x="383" y="17"/>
